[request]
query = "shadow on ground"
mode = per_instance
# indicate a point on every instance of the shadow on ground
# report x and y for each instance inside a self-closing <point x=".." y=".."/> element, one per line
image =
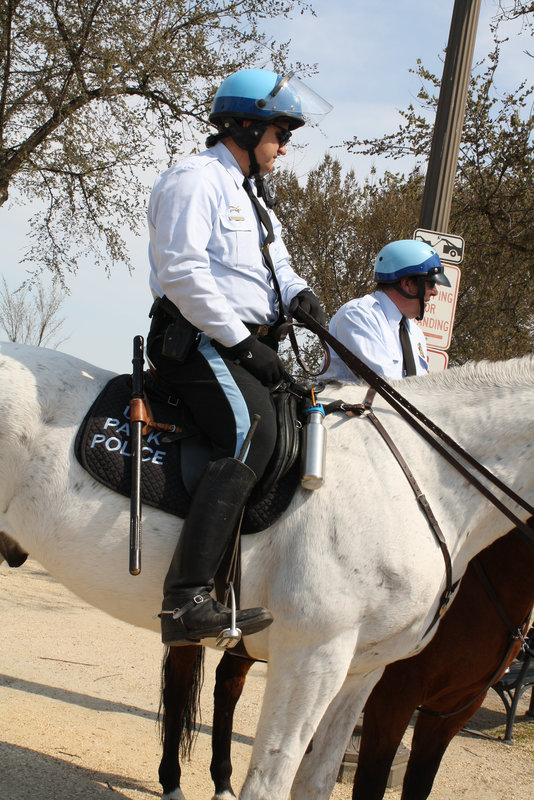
<point x="23" y="770"/>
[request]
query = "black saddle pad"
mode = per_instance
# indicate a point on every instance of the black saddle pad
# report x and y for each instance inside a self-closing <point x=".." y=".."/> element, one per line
<point x="102" y="448"/>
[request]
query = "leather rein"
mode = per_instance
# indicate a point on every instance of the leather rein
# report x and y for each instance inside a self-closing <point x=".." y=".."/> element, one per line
<point x="431" y="433"/>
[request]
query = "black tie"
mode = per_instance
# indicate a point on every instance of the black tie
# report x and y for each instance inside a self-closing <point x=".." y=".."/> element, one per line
<point x="265" y="220"/>
<point x="407" y="352"/>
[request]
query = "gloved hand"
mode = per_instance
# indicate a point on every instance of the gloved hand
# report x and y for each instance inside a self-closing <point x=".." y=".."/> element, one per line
<point x="310" y="303"/>
<point x="260" y="360"/>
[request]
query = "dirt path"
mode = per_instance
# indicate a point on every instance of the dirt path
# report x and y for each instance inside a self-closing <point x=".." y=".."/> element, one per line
<point x="79" y="694"/>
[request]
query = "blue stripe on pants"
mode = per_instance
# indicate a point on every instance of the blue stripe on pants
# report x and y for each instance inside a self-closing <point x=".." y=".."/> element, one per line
<point x="230" y="389"/>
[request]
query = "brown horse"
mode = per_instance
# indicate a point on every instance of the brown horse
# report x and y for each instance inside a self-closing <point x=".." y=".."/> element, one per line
<point x="448" y="681"/>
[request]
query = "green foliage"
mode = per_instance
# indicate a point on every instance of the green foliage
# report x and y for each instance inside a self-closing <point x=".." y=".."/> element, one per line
<point x="92" y="92"/>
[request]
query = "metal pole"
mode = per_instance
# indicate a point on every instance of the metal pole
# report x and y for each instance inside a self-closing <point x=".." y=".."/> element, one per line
<point x="443" y="160"/>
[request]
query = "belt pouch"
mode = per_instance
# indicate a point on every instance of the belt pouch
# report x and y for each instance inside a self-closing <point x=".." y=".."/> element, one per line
<point x="179" y="340"/>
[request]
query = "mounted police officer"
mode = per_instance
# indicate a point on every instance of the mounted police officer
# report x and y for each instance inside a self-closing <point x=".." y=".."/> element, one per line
<point x="379" y="327"/>
<point x="222" y="282"/>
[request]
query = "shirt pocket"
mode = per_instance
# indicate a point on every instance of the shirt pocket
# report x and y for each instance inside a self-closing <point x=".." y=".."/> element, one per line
<point x="238" y="237"/>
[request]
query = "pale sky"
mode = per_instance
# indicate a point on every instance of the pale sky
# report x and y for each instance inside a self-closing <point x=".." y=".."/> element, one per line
<point x="364" y="50"/>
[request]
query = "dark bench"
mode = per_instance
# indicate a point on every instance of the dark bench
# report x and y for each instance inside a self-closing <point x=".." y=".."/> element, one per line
<point x="518" y="678"/>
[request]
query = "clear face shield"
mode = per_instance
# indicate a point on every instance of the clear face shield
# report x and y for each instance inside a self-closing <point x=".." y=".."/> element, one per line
<point x="293" y="96"/>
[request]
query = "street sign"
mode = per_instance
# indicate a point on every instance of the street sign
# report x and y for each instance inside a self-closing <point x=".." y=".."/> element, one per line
<point x="448" y="247"/>
<point x="439" y="311"/>
<point x="437" y="360"/>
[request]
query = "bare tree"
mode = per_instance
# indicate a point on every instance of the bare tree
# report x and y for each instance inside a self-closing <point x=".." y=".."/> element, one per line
<point x="516" y="9"/>
<point x="29" y="315"/>
<point x="522" y="10"/>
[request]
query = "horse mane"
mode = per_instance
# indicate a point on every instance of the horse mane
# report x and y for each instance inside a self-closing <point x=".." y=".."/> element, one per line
<point x="470" y="376"/>
<point x="474" y="375"/>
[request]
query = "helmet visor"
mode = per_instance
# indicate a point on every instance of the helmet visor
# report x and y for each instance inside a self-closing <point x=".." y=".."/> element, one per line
<point x="293" y="96"/>
<point x="440" y="277"/>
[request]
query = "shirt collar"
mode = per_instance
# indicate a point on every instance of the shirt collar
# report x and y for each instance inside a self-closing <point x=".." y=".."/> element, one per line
<point x="392" y="313"/>
<point x="229" y="162"/>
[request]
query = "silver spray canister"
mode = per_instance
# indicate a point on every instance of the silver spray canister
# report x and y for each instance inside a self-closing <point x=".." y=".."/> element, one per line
<point x="313" y="448"/>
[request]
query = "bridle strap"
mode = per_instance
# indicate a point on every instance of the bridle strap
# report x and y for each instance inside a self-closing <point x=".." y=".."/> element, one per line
<point x="364" y="409"/>
<point x="450" y="588"/>
<point x="495" y="676"/>
<point x="493" y="596"/>
<point x="289" y="330"/>
<point x="516" y="633"/>
<point x="418" y="420"/>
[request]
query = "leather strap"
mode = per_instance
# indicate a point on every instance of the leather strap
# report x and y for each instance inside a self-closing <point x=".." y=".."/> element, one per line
<point x="140" y="411"/>
<point x="265" y="220"/>
<point x="290" y="330"/>
<point x="516" y="633"/>
<point x="450" y="587"/>
<point x="365" y="408"/>
<point x="198" y="600"/>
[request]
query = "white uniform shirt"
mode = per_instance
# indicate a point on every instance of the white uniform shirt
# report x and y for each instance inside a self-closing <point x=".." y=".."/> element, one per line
<point x="204" y="249"/>
<point x="369" y="327"/>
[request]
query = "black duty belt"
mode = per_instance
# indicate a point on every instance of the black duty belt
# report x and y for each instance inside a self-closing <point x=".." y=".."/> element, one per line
<point x="162" y="306"/>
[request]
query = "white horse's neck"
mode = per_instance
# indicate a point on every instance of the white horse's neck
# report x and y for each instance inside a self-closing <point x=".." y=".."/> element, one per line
<point x="487" y="408"/>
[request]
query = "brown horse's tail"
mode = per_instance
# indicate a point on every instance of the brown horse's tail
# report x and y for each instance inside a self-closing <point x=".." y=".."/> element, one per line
<point x="182" y="676"/>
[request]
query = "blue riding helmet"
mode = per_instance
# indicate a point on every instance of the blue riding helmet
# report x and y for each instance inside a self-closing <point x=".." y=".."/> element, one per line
<point x="408" y="258"/>
<point x="259" y="94"/>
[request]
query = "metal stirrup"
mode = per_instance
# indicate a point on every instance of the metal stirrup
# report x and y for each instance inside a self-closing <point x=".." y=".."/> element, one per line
<point x="229" y="637"/>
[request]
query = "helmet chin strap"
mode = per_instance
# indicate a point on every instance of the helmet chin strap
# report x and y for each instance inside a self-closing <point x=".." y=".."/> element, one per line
<point x="421" y="289"/>
<point x="247" y="138"/>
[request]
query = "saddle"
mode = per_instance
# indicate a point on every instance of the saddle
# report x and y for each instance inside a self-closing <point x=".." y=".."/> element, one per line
<point x="175" y="453"/>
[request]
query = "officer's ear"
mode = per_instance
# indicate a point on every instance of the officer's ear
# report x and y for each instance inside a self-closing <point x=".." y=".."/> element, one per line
<point x="409" y="284"/>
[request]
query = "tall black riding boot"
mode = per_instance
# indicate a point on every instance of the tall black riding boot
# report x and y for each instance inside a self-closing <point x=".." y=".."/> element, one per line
<point x="189" y="613"/>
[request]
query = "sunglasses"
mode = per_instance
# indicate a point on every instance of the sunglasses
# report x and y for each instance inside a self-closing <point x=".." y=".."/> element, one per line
<point x="430" y="282"/>
<point x="282" y="135"/>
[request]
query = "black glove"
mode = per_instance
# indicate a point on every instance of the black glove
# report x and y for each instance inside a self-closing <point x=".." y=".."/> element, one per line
<point x="259" y="359"/>
<point x="310" y="303"/>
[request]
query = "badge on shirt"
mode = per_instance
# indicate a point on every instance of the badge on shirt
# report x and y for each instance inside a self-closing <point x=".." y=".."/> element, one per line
<point x="234" y="213"/>
<point x="420" y="347"/>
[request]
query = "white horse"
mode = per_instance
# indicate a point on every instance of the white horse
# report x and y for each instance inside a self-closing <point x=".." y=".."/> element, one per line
<point x="352" y="573"/>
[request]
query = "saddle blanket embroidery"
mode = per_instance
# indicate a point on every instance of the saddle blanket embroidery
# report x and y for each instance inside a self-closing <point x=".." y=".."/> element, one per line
<point x="102" y="447"/>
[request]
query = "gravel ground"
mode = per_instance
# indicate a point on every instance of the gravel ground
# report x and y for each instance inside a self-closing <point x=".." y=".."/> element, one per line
<point x="79" y="693"/>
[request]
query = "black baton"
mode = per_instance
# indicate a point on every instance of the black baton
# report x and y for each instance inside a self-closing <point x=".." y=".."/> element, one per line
<point x="136" y="439"/>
